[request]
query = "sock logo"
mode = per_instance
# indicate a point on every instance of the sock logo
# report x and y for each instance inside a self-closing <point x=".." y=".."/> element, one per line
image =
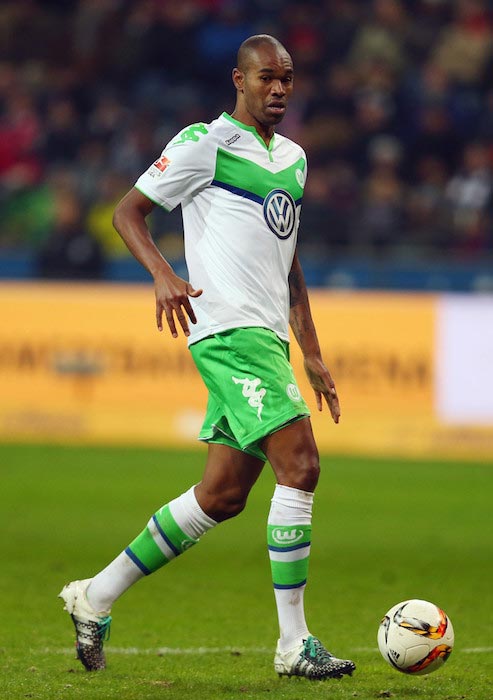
<point x="281" y="536"/>
<point x="186" y="544"/>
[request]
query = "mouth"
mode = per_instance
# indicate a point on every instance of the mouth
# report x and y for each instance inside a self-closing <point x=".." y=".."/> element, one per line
<point x="277" y="107"/>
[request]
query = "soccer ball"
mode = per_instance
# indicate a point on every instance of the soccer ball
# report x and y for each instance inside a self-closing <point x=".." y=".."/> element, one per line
<point x="416" y="637"/>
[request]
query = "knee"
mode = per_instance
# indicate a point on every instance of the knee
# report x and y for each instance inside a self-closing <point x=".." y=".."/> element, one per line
<point x="230" y="503"/>
<point x="306" y="475"/>
<point x="222" y="505"/>
<point x="302" y="470"/>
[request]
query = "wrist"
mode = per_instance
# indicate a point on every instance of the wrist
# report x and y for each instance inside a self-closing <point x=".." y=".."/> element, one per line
<point x="161" y="271"/>
<point x="313" y="356"/>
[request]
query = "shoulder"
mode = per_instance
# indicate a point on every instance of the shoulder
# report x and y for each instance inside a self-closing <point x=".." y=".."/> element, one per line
<point x="191" y="149"/>
<point x="201" y="135"/>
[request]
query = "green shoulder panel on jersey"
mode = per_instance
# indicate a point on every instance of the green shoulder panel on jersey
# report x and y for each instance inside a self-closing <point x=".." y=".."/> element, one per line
<point x="191" y="133"/>
<point x="249" y="179"/>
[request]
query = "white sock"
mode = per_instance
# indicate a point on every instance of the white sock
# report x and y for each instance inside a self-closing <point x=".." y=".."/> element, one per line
<point x="289" y="508"/>
<point x="110" y="583"/>
<point x="189" y="515"/>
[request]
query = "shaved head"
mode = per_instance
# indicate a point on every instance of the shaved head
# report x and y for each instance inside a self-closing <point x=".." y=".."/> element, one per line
<point x="263" y="80"/>
<point x="251" y="45"/>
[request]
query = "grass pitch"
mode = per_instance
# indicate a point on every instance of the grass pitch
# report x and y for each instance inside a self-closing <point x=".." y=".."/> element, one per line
<point x="205" y="626"/>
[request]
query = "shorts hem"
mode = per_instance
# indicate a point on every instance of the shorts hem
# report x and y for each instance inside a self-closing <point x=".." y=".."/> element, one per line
<point x="214" y="438"/>
<point x="216" y="429"/>
<point x="273" y="427"/>
<point x="250" y="445"/>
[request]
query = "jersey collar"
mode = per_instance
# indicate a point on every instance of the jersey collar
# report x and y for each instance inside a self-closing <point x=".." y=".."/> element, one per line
<point x="252" y="129"/>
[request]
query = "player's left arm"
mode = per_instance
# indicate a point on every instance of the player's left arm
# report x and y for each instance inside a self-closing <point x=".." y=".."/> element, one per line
<point x="301" y="322"/>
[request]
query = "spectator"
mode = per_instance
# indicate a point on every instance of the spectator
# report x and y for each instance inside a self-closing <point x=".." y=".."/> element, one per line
<point x="62" y="131"/>
<point x="69" y="252"/>
<point x="382" y="38"/>
<point x="464" y="46"/>
<point x="26" y="217"/>
<point x="436" y="136"/>
<point x="427" y="226"/>
<point x="20" y="128"/>
<point x="111" y="188"/>
<point x="380" y="221"/>
<point x="329" y="201"/>
<point x="470" y="197"/>
<point x="415" y="74"/>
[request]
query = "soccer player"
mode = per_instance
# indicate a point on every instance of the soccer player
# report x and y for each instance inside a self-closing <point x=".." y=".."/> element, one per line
<point x="240" y="186"/>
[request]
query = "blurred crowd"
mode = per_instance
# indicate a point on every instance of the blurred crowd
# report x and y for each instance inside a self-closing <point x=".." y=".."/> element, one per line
<point x="393" y="104"/>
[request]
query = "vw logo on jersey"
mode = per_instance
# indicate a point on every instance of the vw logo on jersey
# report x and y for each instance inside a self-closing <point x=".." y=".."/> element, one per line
<point x="280" y="213"/>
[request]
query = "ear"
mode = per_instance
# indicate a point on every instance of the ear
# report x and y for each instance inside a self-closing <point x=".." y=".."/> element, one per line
<point x="238" y="79"/>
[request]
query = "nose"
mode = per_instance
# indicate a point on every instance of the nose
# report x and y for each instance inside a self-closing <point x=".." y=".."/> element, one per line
<point x="278" y="88"/>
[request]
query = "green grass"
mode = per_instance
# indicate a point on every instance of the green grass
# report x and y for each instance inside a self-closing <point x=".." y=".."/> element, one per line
<point x="384" y="530"/>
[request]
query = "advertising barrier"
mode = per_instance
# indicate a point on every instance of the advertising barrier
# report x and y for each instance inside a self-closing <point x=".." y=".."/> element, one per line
<point x="85" y="363"/>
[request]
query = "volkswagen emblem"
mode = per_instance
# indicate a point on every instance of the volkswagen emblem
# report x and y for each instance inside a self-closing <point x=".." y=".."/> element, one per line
<point x="280" y="213"/>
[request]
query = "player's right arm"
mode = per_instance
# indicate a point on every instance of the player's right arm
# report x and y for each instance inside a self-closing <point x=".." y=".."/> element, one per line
<point x="172" y="292"/>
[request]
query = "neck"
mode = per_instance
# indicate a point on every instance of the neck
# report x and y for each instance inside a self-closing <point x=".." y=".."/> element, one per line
<point x="265" y="132"/>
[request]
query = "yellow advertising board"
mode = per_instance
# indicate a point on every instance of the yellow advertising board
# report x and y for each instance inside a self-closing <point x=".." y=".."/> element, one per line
<point x="85" y="363"/>
<point x="379" y="349"/>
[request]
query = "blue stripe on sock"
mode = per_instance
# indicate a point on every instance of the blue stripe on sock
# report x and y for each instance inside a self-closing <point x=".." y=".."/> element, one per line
<point x="281" y="586"/>
<point x="289" y="549"/>
<point x="166" y="539"/>
<point x="137" y="561"/>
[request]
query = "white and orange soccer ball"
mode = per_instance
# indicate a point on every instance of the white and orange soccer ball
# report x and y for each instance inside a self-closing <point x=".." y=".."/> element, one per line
<point x="416" y="637"/>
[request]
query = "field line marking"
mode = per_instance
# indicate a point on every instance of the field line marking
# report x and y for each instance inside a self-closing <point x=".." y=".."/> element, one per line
<point x="196" y="651"/>
<point x="165" y="651"/>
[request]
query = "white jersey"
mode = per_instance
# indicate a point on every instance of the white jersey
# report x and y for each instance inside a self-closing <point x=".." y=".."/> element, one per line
<point x="241" y="202"/>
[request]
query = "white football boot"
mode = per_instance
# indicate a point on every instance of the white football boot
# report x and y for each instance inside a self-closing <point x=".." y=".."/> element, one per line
<point x="92" y="628"/>
<point x="311" y="660"/>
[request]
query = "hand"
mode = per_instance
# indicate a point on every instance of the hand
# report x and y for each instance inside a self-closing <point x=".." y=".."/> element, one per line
<point x="172" y="298"/>
<point x="323" y="385"/>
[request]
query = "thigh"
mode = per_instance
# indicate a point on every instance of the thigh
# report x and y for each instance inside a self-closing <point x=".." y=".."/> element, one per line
<point x="293" y="455"/>
<point x="229" y="474"/>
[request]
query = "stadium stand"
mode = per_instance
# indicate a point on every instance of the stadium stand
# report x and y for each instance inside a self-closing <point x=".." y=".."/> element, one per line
<point x="393" y="104"/>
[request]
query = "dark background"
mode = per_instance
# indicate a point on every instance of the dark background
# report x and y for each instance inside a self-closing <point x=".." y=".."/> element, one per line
<point x="393" y="104"/>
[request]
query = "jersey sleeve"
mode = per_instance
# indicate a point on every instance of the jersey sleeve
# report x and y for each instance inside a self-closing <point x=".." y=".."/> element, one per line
<point x="186" y="166"/>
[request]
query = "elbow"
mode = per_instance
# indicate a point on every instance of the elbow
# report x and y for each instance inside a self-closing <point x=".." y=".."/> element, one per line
<point x="134" y="207"/>
<point x="117" y="217"/>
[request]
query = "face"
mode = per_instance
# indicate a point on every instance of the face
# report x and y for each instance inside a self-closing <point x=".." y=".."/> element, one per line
<point x="264" y="87"/>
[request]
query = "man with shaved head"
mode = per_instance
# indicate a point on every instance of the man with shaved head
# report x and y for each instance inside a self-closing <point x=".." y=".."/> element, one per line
<point x="240" y="187"/>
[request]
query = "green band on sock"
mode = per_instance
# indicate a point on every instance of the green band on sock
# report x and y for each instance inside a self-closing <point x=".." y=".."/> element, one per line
<point x="147" y="551"/>
<point x="173" y="534"/>
<point x="286" y="574"/>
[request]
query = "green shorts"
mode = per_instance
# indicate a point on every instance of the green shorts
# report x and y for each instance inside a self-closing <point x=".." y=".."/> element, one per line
<point x="252" y="389"/>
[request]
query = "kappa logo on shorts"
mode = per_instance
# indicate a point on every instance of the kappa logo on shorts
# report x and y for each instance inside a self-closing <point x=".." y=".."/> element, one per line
<point x="252" y="393"/>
